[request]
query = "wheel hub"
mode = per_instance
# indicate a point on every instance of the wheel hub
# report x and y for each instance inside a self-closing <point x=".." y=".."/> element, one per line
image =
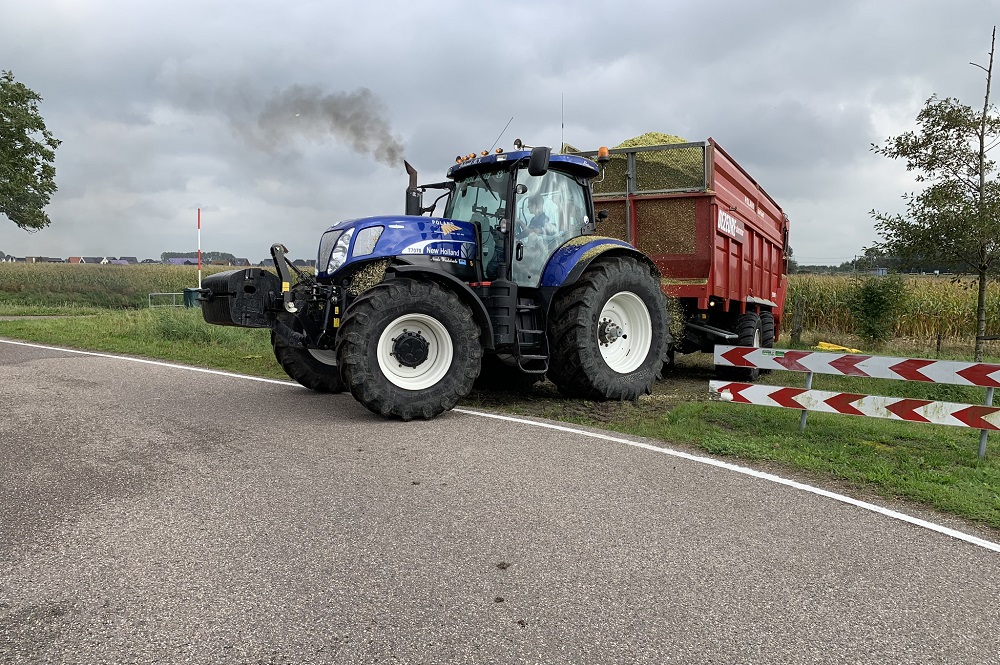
<point x="410" y="348"/>
<point x="609" y="332"/>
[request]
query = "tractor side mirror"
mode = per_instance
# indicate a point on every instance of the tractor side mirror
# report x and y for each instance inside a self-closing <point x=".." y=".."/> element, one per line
<point x="538" y="163"/>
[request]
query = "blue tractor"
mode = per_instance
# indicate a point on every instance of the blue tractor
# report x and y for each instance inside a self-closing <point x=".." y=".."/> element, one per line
<point x="508" y="286"/>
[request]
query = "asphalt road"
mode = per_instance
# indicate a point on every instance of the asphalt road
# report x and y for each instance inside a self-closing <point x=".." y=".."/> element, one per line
<point x="155" y="514"/>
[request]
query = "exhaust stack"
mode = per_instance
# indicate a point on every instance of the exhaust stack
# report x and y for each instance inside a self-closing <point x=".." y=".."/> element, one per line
<point x="414" y="198"/>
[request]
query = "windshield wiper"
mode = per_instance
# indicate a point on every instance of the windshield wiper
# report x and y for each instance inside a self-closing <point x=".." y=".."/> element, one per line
<point x="490" y="189"/>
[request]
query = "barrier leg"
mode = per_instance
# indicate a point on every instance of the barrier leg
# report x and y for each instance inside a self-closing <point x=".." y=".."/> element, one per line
<point x="802" y="418"/>
<point x="983" y="433"/>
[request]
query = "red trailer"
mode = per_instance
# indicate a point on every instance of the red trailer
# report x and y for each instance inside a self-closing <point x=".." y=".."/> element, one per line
<point x="719" y="240"/>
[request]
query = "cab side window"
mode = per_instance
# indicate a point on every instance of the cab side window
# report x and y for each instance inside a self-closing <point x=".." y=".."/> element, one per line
<point x="547" y="214"/>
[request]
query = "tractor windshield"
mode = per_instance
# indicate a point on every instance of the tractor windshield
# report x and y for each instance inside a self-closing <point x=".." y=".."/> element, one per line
<point x="482" y="197"/>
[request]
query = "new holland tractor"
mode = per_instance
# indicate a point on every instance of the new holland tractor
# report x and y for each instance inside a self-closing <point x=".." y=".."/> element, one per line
<point x="508" y="286"/>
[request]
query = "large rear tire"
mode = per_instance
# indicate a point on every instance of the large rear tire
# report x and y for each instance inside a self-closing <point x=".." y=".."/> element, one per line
<point x="409" y="349"/>
<point x="315" y="369"/>
<point x="609" y="332"/>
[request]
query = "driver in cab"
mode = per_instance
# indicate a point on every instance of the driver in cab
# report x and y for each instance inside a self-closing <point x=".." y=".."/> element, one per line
<point x="535" y="246"/>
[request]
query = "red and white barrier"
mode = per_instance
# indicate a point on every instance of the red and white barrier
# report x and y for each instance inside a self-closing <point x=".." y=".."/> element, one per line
<point x="984" y="375"/>
<point x="874" y="406"/>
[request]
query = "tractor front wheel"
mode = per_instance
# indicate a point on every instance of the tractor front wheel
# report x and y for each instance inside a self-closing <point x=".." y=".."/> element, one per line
<point x="409" y="349"/>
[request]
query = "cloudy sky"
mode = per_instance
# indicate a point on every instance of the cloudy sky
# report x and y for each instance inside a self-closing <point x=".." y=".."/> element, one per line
<point x="278" y="119"/>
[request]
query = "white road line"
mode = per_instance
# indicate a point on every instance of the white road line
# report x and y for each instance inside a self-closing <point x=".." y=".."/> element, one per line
<point x="864" y="505"/>
<point x="756" y="474"/>
<point x="152" y="362"/>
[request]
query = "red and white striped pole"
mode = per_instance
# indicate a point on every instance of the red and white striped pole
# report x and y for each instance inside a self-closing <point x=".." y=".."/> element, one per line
<point x="199" y="248"/>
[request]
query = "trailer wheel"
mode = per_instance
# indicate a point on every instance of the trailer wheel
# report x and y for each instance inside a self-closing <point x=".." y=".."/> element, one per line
<point x="749" y="329"/>
<point x="609" y="332"/>
<point x="497" y="375"/>
<point x="767" y="330"/>
<point x="409" y="349"/>
<point x="766" y="334"/>
<point x="315" y="369"/>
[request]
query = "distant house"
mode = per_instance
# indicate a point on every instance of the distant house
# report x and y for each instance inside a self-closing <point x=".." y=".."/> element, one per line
<point x="43" y="259"/>
<point x="242" y="262"/>
<point x="266" y="263"/>
<point x="91" y="259"/>
<point x="129" y="260"/>
<point x="119" y="262"/>
<point x="181" y="262"/>
<point x="76" y="259"/>
<point x="108" y="259"/>
<point x="304" y="263"/>
<point x="150" y="261"/>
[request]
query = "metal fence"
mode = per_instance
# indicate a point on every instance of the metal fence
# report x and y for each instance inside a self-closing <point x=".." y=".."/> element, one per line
<point x="176" y="300"/>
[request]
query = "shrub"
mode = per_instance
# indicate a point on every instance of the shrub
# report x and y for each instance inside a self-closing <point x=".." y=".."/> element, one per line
<point x="877" y="303"/>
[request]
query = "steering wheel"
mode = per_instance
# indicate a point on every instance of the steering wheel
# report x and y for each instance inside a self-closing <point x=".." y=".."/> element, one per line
<point x="520" y="229"/>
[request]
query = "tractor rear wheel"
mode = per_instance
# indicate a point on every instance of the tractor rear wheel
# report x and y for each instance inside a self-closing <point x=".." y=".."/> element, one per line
<point x="315" y="369"/>
<point x="609" y="332"/>
<point x="409" y="349"/>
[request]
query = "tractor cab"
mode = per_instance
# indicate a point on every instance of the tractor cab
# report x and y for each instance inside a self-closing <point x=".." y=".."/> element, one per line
<point x="525" y="205"/>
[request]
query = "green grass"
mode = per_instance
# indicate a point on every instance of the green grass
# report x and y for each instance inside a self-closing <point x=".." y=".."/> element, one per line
<point x="934" y="465"/>
<point x="168" y="333"/>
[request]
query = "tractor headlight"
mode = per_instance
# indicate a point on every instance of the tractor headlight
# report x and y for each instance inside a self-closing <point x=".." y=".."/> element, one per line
<point x="339" y="254"/>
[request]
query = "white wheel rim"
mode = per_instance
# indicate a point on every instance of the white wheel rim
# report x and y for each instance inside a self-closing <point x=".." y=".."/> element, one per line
<point x="627" y="332"/>
<point x="439" y="352"/>
<point x="325" y="356"/>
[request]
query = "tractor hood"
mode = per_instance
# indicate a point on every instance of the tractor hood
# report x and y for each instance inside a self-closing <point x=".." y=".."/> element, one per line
<point x="389" y="236"/>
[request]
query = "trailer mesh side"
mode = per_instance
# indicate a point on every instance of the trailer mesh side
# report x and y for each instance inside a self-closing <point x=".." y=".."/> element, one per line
<point x="615" y="177"/>
<point x="666" y="226"/>
<point x="680" y="168"/>
<point x="614" y="226"/>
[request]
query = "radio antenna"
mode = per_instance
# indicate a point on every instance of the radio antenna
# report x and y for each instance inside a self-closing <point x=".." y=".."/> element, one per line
<point x="501" y="133"/>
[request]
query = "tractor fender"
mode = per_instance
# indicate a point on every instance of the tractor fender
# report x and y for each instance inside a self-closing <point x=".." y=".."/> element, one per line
<point x="570" y="260"/>
<point x="465" y="294"/>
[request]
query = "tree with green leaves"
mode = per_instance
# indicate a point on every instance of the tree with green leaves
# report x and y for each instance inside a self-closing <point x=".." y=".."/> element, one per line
<point x="956" y="218"/>
<point x="27" y="152"/>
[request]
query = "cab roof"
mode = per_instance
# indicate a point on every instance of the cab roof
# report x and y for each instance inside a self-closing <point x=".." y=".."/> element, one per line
<point x="572" y="164"/>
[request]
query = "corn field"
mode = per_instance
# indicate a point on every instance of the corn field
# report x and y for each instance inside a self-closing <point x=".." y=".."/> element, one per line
<point x="937" y="306"/>
<point x="114" y="286"/>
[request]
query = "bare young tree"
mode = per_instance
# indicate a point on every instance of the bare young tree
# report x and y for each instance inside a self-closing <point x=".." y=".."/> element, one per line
<point x="956" y="218"/>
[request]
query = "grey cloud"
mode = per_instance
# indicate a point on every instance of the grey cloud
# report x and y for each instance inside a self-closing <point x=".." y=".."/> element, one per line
<point x="163" y="108"/>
